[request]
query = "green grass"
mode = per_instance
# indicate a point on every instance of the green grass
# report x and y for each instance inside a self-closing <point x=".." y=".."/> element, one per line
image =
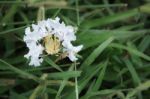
<point x="114" y="63"/>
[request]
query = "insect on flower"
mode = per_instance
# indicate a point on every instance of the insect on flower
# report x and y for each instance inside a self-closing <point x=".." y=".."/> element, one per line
<point x="52" y="44"/>
<point x="56" y="37"/>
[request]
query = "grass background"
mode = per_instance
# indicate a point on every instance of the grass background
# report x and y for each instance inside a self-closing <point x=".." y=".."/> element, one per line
<point x="114" y="63"/>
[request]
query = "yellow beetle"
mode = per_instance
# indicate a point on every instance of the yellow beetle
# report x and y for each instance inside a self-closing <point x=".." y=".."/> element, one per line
<point x="52" y="44"/>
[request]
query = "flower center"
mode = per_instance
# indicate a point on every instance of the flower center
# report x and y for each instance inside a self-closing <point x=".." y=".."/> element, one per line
<point x="52" y="44"/>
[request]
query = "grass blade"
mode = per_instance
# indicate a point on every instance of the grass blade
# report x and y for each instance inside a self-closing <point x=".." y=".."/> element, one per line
<point x="90" y="59"/>
<point x="64" y="75"/>
<point x="50" y="62"/>
<point x="109" y="19"/>
<point x="136" y="52"/>
<point x="135" y="77"/>
<point x="20" y="72"/>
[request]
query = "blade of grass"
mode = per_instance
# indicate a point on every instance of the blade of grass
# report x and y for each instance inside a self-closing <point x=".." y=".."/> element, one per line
<point x="144" y="44"/>
<point x="141" y="87"/>
<point x="18" y="71"/>
<point x="63" y="83"/>
<point x="87" y="95"/>
<point x="109" y="10"/>
<point x="50" y="62"/>
<point x="94" y="37"/>
<point x="14" y="95"/>
<point x="64" y="75"/>
<point x="90" y="59"/>
<point x="11" y="30"/>
<point x="77" y="13"/>
<point x="109" y="19"/>
<point x="130" y="27"/>
<point x="10" y="13"/>
<point x="135" y="77"/>
<point x="96" y="84"/>
<point x="135" y="59"/>
<point x="40" y="88"/>
<point x="83" y="83"/>
<point x="103" y="92"/>
<point x="135" y="52"/>
<point x="100" y="77"/>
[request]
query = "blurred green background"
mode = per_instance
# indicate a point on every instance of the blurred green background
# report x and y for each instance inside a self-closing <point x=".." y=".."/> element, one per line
<point x="114" y="63"/>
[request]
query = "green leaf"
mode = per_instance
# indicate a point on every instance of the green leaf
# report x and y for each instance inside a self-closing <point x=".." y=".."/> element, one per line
<point x="11" y="30"/>
<point x="91" y="38"/>
<point x="63" y="75"/>
<point x="141" y="87"/>
<point x="96" y="84"/>
<point x="144" y="44"/>
<point x="14" y="95"/>
<point x="64" y="82"/>
<point x="40" y="88"/>
<point x="135" y="77"/>
<point x="84" y="81"/>
<point x="100" y="77"/>
<point x="90" y="59"/>
<point x="131" y="50"/>
<point x="103" y="92"/>
<point x="18" y="71"/>
<point x="50" y="62"/>
<point x="110" y="19"/>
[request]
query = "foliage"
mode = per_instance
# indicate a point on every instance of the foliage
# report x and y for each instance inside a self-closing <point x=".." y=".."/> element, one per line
<point x="114" y="63"/>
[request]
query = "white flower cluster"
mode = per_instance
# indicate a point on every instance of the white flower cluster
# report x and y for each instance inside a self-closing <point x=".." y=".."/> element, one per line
<point x="51" y="27"/>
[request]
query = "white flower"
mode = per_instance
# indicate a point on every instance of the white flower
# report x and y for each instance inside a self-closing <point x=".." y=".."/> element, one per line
<point x="34" y="53"/>
<point x="50" y="36"/>
<point x="71" y="50"/>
